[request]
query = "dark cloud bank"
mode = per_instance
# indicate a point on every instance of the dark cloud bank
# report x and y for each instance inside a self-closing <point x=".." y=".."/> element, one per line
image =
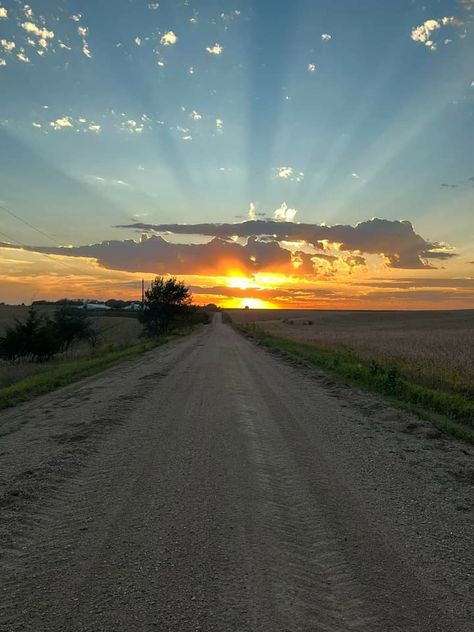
<point x="262" y="250"/>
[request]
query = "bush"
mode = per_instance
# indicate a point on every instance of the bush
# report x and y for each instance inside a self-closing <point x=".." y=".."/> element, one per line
<point x="39" y="338"/>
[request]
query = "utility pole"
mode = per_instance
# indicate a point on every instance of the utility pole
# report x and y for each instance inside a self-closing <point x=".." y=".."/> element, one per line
<point x="143" y="293"/>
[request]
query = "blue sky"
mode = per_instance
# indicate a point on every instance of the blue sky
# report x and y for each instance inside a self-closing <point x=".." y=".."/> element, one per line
<point x="191" y="111"/>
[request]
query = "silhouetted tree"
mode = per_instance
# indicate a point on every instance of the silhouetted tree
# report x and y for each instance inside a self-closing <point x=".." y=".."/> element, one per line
<point x="166" y="302"/>
<point x="72" y="326"/>
<point x="39" y="338"/>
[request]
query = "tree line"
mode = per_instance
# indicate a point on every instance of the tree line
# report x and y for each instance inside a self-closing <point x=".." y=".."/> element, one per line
<point x="167" y="307"/>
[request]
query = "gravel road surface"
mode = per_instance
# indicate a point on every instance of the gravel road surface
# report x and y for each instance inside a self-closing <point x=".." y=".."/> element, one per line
<point x="210" y="485"/>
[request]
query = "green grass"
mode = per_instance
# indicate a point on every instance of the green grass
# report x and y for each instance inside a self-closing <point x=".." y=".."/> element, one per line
<point x="449" y="411"/>
<point x="49" y="380"/>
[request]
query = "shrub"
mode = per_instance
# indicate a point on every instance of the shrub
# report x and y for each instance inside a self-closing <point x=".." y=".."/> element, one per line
<point x="39" y="338"/>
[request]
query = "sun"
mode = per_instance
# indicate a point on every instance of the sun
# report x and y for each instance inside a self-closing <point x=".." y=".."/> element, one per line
<point x="256" y="303"/>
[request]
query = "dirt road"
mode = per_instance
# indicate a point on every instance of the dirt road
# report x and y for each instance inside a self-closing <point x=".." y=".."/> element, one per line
<point x="209" y="485"/>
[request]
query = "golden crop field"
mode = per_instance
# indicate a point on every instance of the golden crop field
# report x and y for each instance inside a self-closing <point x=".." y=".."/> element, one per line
<point x="436" y="347"/>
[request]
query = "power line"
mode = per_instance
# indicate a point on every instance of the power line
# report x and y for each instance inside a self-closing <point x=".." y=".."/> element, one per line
<point x="27" y="223"/>
<point x="45" y="254"/>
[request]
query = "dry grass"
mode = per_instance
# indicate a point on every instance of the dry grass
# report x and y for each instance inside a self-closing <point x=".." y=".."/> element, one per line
<point x="435" y="349"/>
<point x="115" y="333"/>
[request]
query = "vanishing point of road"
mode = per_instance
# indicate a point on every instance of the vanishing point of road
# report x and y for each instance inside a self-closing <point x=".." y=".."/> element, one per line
<point x="212" y="486"/>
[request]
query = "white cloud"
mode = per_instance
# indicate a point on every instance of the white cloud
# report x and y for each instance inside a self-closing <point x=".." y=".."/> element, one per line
<point x="196" y="116"/>
<point x="77" y="17"/>
<point x="285" y="172"/>
<point x="252" y="212"/>
<point x="424" y="32"/>
<point x="22" y="57"/>
<point x="7" y="45"/>
<point x="138" y="41"/>
<point x="154" y="6"/>
<point x="3" y="13"/>
<point x="95" y="128"/>
<point x="160" y="63"/>
<point x="285" y="214"/>
<point x="356" y="176"/>
<point x="3" y="62"/>
<point x="42" y="33"/>
<point x="325" y="37"/>
<point x="288" y="173"/>
<point x="108" y="181"/>
<point x="312" y="68"/>
<point x="37" y="125"/>
<point x="86" y="50"/>
<point x="84" y="32"/>
<point x="133" y="127"/>
<point x="217" y="49"/>
<point x="169" y="39"/>
<point x="61" y="123"/>
<point x="219" y="124"/>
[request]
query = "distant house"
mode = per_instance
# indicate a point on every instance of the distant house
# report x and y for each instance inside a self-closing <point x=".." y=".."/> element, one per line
<point x="133" y="307"/>
<point x="95" y="307"/>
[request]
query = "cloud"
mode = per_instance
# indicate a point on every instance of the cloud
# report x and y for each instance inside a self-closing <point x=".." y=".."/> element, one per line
<point x="169" y="39"/>
<point x="395" y="240"/>
<point x="312" y="68"/>
<point x="3" y="13"/>
<point x="153" y="6"/>
<point x="219" y="124"/>
<point x="417" y="282"/>
<point x="252" y="212"/>
<point x="61" y="123"/>
<point x="196" y="116"/>
<point x="424" y="32"/>
<point x="288" y="173"/>
<point x="284" y="213"/>
<point x="216" y="49"/>
<point x="155" y="255"/>
<point x="108" y="181"/>
<point x="3" y="62"/>
<point x="42" y="33"/>
<point x="285" y="172"/>
<point x="84" y="32"/>
<point x="325" y="37"/>
<point x="22" y="57"/>
<point x="7" y="45"/>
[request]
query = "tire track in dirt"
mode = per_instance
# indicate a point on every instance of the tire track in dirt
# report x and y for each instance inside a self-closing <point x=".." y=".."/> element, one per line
<point x="211" y="487"/>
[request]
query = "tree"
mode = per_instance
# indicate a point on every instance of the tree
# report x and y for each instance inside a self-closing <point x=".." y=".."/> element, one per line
<point x="72" y="325"/>
<point x="39" y="338"/>
<point x="165" y="302"/>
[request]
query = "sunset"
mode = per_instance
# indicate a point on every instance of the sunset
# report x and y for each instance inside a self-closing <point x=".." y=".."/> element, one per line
<point x="321" y="154"/>
<point x="236" y="315"/>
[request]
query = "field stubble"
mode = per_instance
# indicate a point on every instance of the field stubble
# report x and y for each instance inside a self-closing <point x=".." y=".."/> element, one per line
<point x="435" y="349"/>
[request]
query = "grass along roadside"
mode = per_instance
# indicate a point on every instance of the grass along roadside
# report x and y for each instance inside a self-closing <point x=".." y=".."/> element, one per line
<point x="450" y="412"/>
<point x="69" y="372"/>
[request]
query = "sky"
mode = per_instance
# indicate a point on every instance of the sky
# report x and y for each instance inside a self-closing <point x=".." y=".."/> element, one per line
<point x="293" y="154"/>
